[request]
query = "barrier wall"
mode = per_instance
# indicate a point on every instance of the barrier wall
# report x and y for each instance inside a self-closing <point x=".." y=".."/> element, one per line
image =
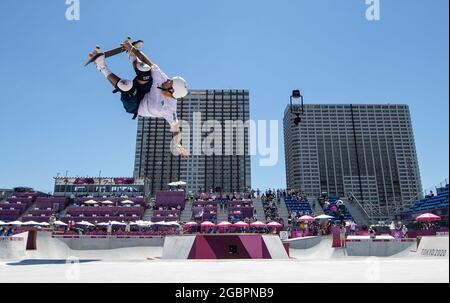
<point x="379" y="247"/>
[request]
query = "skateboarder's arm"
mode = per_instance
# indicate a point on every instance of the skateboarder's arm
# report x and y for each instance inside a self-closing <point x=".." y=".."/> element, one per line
<point x="134" y="51"/>
<point x="176" y="133"/>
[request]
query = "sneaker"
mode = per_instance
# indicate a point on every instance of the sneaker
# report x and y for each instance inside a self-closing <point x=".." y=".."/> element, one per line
<point x="99" y="59"/>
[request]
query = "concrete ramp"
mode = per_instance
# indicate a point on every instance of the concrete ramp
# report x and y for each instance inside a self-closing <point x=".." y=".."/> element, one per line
<point x="322" y="251"/>
<point x="14" y="247"/>
<point x="178" y="248"/>
<point x="433" y="247"/>
<point x="275" y="247"/>
<point x="303" y="243"/>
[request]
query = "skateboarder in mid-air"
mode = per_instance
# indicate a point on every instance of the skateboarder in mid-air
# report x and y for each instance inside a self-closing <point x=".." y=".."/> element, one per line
<point x="151" y="93"/>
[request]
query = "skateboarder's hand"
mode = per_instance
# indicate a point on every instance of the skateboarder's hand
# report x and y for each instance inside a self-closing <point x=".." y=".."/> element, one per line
<point x="127" y="45"/>
<point x="183" y="153"/>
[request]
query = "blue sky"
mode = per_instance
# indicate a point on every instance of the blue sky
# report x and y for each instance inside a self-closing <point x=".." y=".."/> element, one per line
<point x="57" y="115"/>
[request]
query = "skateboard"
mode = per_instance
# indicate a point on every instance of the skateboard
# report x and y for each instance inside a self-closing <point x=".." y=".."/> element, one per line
<point x="111" y="52"/>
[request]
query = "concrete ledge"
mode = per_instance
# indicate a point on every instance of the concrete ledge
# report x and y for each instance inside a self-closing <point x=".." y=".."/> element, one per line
<point x="111" y="242"/>
<point x="303" y="243"/>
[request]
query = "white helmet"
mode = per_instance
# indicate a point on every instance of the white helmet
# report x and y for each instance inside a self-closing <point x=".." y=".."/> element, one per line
<point x="180" y="89"/>
<point x="125" y="85"/>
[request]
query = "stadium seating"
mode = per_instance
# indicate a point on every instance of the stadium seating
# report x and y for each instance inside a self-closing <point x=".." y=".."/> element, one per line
<point x="16" y="205"/>
<point x="170" y="199"/>
<point x="46" y="207"/>
<point x="300" y="206"/>
<point x="438" y="203"/>
<point x="332" y="203"/>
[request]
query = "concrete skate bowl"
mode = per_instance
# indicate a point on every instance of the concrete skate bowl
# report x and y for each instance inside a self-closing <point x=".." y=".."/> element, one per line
<point x="317" y="248"/>
<point x="87" y="248"/>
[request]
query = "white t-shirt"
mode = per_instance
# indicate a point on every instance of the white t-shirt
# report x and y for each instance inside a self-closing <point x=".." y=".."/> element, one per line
<point x="154" y="103"/>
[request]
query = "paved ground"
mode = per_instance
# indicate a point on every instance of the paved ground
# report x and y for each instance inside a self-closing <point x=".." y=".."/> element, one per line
<point x="54" y="262"/>
<point x="342" y="270"/>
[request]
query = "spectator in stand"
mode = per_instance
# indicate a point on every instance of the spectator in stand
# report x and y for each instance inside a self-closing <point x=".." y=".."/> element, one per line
<point x="2" y="232"/>
<point x="128" y="227"/>
<point x="109" y="229"/>
<point x="290" y="219"/>
<point x="405" y="231"/>
<point x="342" y="232"/>
<point x="353" y="228"/>
<point x="372" y="233"/>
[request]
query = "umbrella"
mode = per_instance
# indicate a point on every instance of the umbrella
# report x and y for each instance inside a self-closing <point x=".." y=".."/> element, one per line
<point x="31" y="223"/>
<point x="240" y="224"/>
<point x="118" y="223"/>
<point x="207" y="224"/>
<point x="102" y="224"/>
<point x="60" y="223"/>
<point x="44" y="224"/>
<point x="107" y="202"/>
<point x="173" y="223"/>
<point x="274" y="224"/>
<point x="127" y="202"/>
<point x="91" y="202"/>
<point x="224" y="224"/>
<point x="162" y="223"/>
<point x="258" y="224"/>
<point x="85" y="223"/>
<point x="143" y="223"/>
<point x="428" y="217"/>
<point x="2" y="223"/>
<point x="323" y="217"/>
<point x="306" y="218"/>
<point x="190" y="224"/>
<point x="14" y="223"/>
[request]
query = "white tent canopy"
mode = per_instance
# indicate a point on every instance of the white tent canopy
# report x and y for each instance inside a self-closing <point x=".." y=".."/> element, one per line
<point x="44" y="224"/>
<point x="142" y="223"/>
<point x="31" y="223"/>
<point x="2" y="223"/>
<point x="118" y="223"/>
<point x="102" y="224"/>
<point x="173" y="223"/>
<point x="85" y="223"/>
<point x="107" y="202"/>
<point x="178" y="183"/>
<point x="323" y="217"/>
<point x="90" y="202"/>
<point x="17" y="223"/>
<point x="60" y="223"/>
<point x="127" y="202"/>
